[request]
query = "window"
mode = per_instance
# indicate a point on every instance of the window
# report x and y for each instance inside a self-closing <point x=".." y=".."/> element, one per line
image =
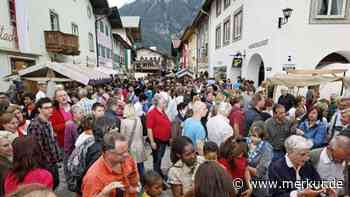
<point x="89" y="11"/>
<point x="91" y="42"/>
<point x="227" y="32"/>
<point x="237" y="24"/>
<point x="75" y="30"/>
<point x="331" y="8"/>
<point x="227" y="3"/>
<point x="102" y="28"/>
<point x="107" y="30"/>
<point x="54" y="20"/>
<point x="218" y="7"/>
<point x="218" y="37"/>
<point x="103" y="53"/>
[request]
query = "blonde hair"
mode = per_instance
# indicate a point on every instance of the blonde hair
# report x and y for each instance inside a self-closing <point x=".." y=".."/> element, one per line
<point x="129" y="111"/>
<point x="12" y="108"/>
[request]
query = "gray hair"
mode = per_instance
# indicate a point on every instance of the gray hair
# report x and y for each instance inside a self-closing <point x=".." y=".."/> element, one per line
<point x="296" y="143"/>
<point x="158" y="98"/>
<point x="110" y="138"/>
<point x="198" y="106"/>
<point x="76" y="109"/>
<point x="82" y="92"/>
<point x="224" y="109"/>
<point x="340" y="141"/>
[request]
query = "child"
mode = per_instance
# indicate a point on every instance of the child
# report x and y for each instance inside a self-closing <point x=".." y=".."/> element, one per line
<point x="211" y="150"/>
<point x="153" y="184"/>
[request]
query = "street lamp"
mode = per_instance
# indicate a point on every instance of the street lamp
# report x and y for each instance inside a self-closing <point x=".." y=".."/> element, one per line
<point x="287" y="12"/>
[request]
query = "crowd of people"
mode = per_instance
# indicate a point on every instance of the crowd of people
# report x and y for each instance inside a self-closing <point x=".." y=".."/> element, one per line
<point x="218" y="132"/>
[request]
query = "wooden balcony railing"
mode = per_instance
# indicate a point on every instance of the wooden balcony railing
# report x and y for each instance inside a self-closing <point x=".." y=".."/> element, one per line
<point x="58" y="42"/>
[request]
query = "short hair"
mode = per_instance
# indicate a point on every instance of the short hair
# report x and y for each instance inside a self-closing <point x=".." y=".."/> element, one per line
<point x="210" y="147"/>
<point x="110" y="138"/>
<point x="12" y="108"/>
<point x="151" y="177"/>
<point x="198" y="106"/>
<point x="259" y="127"/>
<point x="256" y="98"/>
<point x="181" y="106"/>
<point x="224" y="108"/>
<point x="82" y="92"/>
<point x="42" y="101"/>
<point x="277" y="106"/>
<point x="113" y="101"/>
<point x="129" y="111"/>
<point x="235" y="100"/>
<point x="4" y="104"/>
<point x="102" y="126"/>
<point x="340" y="141"/>
<point x="177" y="147"/>
<point x="87" y="122"/>
<point x="76" y="109"/>
<point x="29" y="95"/>
<point x="296" y="143"/>
<point x="96" y="105"/>
<point x="6" y="118"/>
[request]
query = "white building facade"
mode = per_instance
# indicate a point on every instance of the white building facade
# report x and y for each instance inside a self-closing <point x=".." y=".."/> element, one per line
<point x="26" y="21"/>
<point x="314" y="36"/>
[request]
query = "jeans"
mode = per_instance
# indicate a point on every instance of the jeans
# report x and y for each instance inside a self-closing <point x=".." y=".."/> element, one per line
<point x="157" y="155"/>
<point x="141" y="170"/>
<point x="277" y="154"/>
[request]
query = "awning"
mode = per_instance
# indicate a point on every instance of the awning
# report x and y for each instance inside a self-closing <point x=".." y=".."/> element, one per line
<point x="184" y="72"/>
<point x="108" y="71"/>
<point x="54" y="71"/>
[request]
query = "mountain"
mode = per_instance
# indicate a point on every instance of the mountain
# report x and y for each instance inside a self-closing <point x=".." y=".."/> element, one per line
<point x="162" y="19"/>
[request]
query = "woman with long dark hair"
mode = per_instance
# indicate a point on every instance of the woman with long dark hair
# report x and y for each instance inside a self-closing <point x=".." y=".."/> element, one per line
<point x="28" y="165"/>
<point x="312" y="127"/>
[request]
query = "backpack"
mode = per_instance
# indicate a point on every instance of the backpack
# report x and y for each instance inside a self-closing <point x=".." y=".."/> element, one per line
<point x="77" y="166"/>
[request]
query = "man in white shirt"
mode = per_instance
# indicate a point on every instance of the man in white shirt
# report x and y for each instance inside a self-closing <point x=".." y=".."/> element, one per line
<point x="330" y="161"/>
<point x="219" y="128"/>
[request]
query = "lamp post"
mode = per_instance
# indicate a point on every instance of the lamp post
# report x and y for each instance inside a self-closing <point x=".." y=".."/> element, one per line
<point x="287" y="12"/>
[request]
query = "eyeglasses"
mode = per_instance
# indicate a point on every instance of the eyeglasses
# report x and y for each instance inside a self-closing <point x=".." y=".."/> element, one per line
<point x="48" y="107"/>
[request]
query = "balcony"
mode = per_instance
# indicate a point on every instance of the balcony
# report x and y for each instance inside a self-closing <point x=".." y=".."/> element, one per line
<point x="146" y="66"/>
<point x="62" y="43"/>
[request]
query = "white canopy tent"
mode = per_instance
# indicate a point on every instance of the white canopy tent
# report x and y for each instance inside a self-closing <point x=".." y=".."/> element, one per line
<point x="62" y="72"/>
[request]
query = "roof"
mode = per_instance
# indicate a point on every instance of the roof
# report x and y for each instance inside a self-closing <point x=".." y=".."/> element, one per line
<point x="176" y="43"/>
<point x="99" y="4"/>
<point x="155" y="51"/>
<point x="114" y="18"/>
<point x="122" y="41"/>
<point x="184" y="72"/>
<point x="79" y="73"/>
<point x="131" y="21"/>
<point x="132" y="24"/>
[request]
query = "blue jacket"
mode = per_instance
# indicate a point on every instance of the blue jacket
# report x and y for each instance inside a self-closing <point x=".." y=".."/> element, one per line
<point x="279" y="171"/>
<point x="317" y="133"/>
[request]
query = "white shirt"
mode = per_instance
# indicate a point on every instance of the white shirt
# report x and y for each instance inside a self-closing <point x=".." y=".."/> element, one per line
<point x="330" y="170"/>
<point x="219" y="129"/>
<point x="40" y="94"/>
<point x="81" y="139"/>
<point x="298" y="178"/>
<point x="138" y="109"/>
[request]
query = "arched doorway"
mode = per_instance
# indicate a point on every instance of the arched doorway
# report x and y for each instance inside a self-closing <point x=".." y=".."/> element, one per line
<point x="256" y="69"/>
<point x="332" y="58"/>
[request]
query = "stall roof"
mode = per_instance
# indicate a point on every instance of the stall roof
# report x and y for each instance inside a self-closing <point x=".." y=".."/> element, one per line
<point x="79" y="73"/>
<point x="183" y="73"/>
<point x="317" y="71"/>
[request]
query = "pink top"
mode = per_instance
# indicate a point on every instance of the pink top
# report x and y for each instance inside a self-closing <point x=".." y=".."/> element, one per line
<point x="66" y="115"/>
<point x="37" y="175"/>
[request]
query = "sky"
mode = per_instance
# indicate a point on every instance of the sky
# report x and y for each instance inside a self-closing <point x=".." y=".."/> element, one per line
<point x="119" y="3"/>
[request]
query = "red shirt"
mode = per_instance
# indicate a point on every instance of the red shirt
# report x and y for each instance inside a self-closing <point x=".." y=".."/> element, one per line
<point x="239" y="170"/>
<point x="160" y="125"/>
<point x="237" y="116"/>
<point x="58" y="123"/>
<point x="37" y="175"/>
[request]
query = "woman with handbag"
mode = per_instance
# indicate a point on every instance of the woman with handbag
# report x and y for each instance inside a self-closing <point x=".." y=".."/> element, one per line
<point x="131" y="127"/>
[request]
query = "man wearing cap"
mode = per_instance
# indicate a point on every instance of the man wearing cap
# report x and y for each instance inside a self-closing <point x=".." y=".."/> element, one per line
<point x="42" y="90"/>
